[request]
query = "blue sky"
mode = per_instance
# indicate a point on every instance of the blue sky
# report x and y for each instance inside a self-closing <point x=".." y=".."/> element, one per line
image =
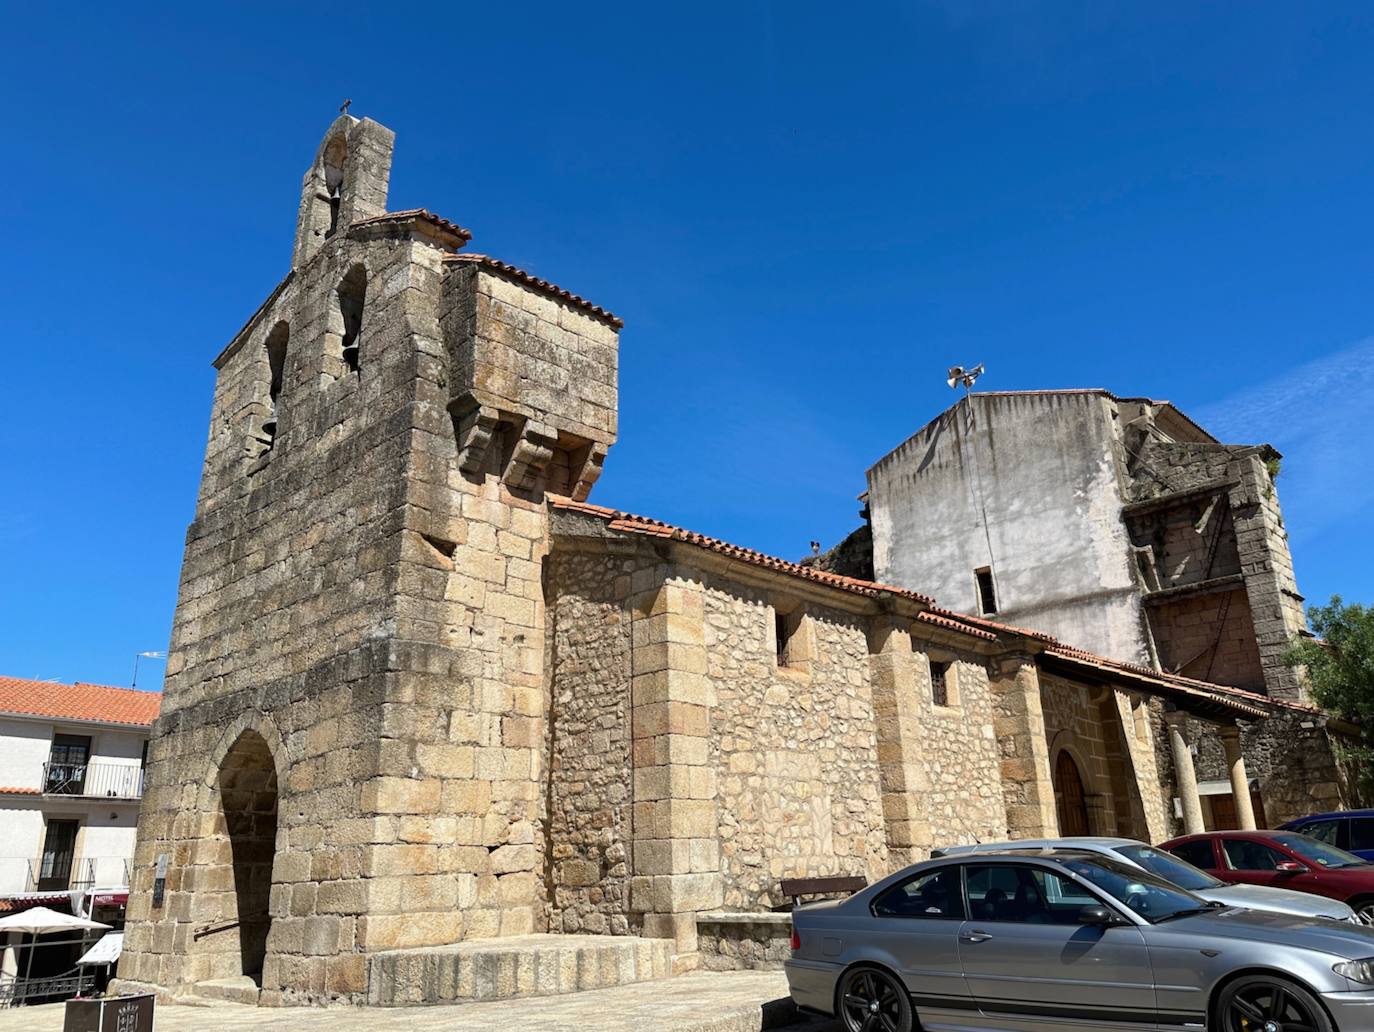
<point x="804" y="213"/>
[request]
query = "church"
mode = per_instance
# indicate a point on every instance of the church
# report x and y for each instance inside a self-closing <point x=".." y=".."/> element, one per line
<point x="433" y="706"/>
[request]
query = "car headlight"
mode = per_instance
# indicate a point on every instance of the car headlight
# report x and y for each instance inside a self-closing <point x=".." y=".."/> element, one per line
<point x="1357" y="970"/>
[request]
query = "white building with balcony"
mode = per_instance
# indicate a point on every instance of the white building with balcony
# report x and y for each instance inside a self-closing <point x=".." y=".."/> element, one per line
<point x="71" y="776"/>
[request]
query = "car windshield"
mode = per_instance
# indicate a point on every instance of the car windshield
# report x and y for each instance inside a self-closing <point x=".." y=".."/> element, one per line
<point x="1147" y="894"/>
<point x="1320" y="853"/>
<point x="1169" y="867"/>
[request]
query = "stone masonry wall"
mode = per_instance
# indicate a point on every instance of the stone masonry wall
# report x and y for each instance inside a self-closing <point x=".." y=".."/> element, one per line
<point x="286" y="600"/>
<point x="591" y="766"/>
<point x="795" y="749"/>
<point x="1209" y="638"/>
<point x="1075" y="720"/>
<point x="1256" y="535"/>
<point x="965" y="801"/>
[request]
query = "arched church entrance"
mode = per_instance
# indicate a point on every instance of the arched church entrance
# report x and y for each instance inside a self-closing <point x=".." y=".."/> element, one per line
<point x="247" y="785"/>
<point x="1069" y="796"/>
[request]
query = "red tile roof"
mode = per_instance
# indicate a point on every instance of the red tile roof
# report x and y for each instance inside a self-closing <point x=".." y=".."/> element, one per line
<point x="93" y="702"/>
<point x="544" y="286"/>
<point x="657" y="528"/>
<point x="1225" y="697"/>
<point x="14" y="790"/>
<point x="1239" y="698"/>
<point x="423" y="215"/>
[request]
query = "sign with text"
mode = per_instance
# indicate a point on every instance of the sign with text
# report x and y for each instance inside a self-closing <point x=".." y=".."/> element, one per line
<point x="160" y="880"/>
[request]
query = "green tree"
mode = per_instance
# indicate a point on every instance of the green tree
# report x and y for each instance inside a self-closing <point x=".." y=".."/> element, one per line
<point x="1340" y="668"/>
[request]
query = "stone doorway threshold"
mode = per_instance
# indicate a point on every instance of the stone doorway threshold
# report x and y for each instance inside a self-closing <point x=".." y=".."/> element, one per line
<point x="702" y="1001"/>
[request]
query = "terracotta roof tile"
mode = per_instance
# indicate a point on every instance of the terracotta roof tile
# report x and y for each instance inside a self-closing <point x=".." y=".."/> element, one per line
<point x="657" y="528"/>
<point x="1237" y="700"/>
<point x="931" y="616"/>
<point x="79" y="701"/>
<point x="1246" y="701"/>
<point x="487" y="261"/>
<point x="1241" y="695"/>
<point x="424" y="215"/>
<point x="15" y="790"/>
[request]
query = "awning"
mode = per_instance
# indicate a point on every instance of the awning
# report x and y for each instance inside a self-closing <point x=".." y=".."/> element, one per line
<point x="110" y="899"/>
<point x="106" y="951"/>
<point x="42" y="921"/>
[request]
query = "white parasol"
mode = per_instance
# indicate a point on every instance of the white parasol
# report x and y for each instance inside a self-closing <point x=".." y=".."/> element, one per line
<point x="41" y="921"/>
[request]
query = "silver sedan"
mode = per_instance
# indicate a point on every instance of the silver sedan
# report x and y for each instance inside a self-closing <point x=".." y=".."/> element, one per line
<point x="1051" y="940"/>
<point x="1182" y="874"/>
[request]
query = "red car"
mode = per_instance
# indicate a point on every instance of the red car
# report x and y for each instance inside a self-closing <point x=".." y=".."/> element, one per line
<point x="1284" y="860"/>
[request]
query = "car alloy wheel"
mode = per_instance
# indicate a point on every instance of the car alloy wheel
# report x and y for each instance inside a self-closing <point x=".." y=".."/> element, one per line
<point x="873" y="1001"/>
<point x="1364" y="913"/>
<point x="1261" y="1004"/>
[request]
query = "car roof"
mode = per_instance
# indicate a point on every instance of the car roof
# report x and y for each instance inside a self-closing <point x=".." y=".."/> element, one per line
<point x="1201" y="836"/>
<point x="1023" y="853"/>
<point x="1330" y="815"/>
<point x="1082" y="842"/>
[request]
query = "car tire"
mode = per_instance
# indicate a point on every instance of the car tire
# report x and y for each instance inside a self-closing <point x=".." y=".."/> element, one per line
<point x="1249" y="1003"/>
<point x="1364" y="909"/>
<point x="872" y="1000"/>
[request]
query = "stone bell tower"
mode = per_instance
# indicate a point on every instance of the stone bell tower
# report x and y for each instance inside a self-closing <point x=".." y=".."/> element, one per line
<point x="352" y="741"/>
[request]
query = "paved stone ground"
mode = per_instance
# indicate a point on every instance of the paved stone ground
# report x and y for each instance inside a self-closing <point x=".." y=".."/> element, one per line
<point x="734" y="1001"/>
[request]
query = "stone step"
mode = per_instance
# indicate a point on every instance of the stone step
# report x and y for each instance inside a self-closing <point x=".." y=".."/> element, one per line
<point x="510" y="968"/>
<point x="242" y="989"/>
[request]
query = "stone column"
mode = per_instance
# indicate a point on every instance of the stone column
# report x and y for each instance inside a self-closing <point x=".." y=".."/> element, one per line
<point x="1240" y="780"/>
<point x="902" y="770"/>
<point x="676" y="851"/>
<point x="1019" y="721"/>
<point x="1184" y="774"/>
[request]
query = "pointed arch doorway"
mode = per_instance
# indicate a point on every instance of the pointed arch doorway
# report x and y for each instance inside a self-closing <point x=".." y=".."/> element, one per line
<point x="1070" y="798"/>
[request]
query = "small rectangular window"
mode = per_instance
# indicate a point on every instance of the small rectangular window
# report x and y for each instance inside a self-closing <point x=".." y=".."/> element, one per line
<point x="783" y="629"/>
<point x="939" y="683"/>
<point x="987" y="593"/>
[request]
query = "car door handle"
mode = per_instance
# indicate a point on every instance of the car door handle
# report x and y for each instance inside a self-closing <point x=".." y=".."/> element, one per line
<point x="974" y="935"/>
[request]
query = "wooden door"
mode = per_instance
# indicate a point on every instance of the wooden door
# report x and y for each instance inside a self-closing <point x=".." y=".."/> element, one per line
<point x="1070" y="797"/>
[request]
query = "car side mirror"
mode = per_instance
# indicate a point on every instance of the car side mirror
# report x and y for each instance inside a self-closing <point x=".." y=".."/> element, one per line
<point x="1099" y="916"/>
<point x="1289" y="867"/>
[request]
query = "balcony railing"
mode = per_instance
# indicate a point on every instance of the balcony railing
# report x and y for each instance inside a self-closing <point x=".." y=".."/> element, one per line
<point x="94" y="778"/>
<point x="105" y="872"/>
<point x="19" y="990"/>
<point x="57" y="874"/>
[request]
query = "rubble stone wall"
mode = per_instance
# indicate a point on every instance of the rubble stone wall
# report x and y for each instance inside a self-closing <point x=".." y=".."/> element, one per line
<point x="966" y="802"/>
<point x="795" y="749"/>
<point x="591" y="766"/>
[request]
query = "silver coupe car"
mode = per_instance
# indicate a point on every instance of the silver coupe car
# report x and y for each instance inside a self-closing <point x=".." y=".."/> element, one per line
<point x="1182" y="874"/>
<point x="1058" y="940"/>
